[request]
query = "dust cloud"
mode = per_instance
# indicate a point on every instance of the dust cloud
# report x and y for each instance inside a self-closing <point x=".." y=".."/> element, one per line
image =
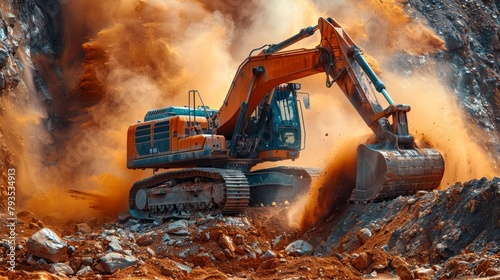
<point x="139" y="55"/>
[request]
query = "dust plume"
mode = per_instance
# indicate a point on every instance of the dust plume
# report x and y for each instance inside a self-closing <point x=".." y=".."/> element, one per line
<point x="138" y="56"/>
<point x="437" y="121"/>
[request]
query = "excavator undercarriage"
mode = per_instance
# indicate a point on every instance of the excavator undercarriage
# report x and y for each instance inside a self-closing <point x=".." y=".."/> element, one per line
<point x="184" y="193"/>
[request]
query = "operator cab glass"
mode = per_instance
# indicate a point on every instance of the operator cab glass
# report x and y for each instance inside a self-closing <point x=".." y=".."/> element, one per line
<point x="285" y="122"/>
<point x="277" y="125"/>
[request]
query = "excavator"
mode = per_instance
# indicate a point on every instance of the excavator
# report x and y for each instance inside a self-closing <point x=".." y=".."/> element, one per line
<point x="210" y="154"/>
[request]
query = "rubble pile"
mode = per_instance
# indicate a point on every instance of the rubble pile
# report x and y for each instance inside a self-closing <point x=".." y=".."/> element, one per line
<point x="435" y="235"/>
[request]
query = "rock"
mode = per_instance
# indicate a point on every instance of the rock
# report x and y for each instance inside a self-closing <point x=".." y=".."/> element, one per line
<point x="166" y="237"/>
<point x="226" y="243"/>
<point x="453" y="41"/>
<point x="279" y="243"/>
<point x="33" y="226"/>
<point x="404" y="273"/>
<point x="151" y="252"/>
<point x="88" y="261"/>
<point x="385" y="248"/>
<point x="378" y="259"/>
<point x="114" y="243"/>
<point x="492" y="271"/>
<point x="440" y="250"/>
<point x="397" y="261"/>
<point x="183" y="267"/>
<point x="240" y="250"/>
<point x="86" y="272"/>
<point x="228" y="253"/>
<point x="239" y="239"/>
<point x="47" y="245"/>
<point x="113" y="261"/>
<point x="10" y="19"/>
<point x="411" y="201"/>
<point x="423" y="273"/>
<point x="269" y="265"/>
<point x="146" y="239"/>
<point x="363" y="235"/>
<point x="123" y="217"/>
<point x="180" y="227"/>
<point x="421" y="193"/>
<point x="24" y="216"/>
<point x="482" y="266"/>
<point x="31" y="261"/>
<point x="269" y="255"/>
<point x="299" y="248"/>
<point x="83" y="228"/>
<point x="360" y="262"/>
<point x="60" y="268"/>
<point x="220" y="256"/>
<point x="75" y="263"/>
<point x="4" y="57"/>
<point x="201" y="259"/>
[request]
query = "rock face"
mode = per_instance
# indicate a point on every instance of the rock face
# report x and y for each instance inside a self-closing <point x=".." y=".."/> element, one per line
<point x="47" y="245"/>
<point x="471" y="31"/>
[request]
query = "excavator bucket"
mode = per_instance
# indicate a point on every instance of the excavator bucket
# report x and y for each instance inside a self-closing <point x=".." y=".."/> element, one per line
<point x="389" y="173"/>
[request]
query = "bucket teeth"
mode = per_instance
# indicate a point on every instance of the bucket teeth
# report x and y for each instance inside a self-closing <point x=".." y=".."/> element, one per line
<point x="384" y="173"/>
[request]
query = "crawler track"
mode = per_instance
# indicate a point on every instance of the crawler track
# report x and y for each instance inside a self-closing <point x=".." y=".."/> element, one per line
<point x="184" y="193"/>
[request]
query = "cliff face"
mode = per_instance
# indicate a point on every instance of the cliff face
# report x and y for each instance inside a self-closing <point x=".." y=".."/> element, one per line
<point x="30" y="32"/>
<point x="471" y="30"/>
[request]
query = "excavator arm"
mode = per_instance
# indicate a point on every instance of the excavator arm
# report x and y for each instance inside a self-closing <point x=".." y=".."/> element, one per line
<point x="391" y="167"/>
<point x="337" y="56"/>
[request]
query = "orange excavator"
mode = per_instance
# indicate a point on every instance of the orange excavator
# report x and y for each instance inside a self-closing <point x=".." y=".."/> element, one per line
<point x="211" y="154"/>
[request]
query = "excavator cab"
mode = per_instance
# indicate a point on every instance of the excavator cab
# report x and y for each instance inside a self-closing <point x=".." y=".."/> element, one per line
<point x="283" y="124"/>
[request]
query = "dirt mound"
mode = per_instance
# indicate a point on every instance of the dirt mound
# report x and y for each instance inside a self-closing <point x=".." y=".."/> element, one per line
<point x="462" y="219"/>
<point x="439" y="235"/>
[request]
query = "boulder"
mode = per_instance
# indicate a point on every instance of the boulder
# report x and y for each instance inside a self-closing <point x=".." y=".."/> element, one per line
<point x="269" y="255"/>
<point x="201" y="259"/>
<point x="113" y="261"/>
<point x="83" y="228"/>
<point x="279" y="243"/>
<point x="404" y="273"/>
<point x="86" y="271"/>
<point x="60" y="268"/>
<point x="360" y="262"/>
<point x="299" y="248"/>
<point x="239" y="239"/>
<point x="423" y="273"/>
<point x="47" y="245"/>
<point x="363" y="235"/>
<point x="226" y="243"/>
<point x="397" y="261"/>
<point x="24" y="216"/>
<point x="180" y="227"/>
<point x="146" y="239"/>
